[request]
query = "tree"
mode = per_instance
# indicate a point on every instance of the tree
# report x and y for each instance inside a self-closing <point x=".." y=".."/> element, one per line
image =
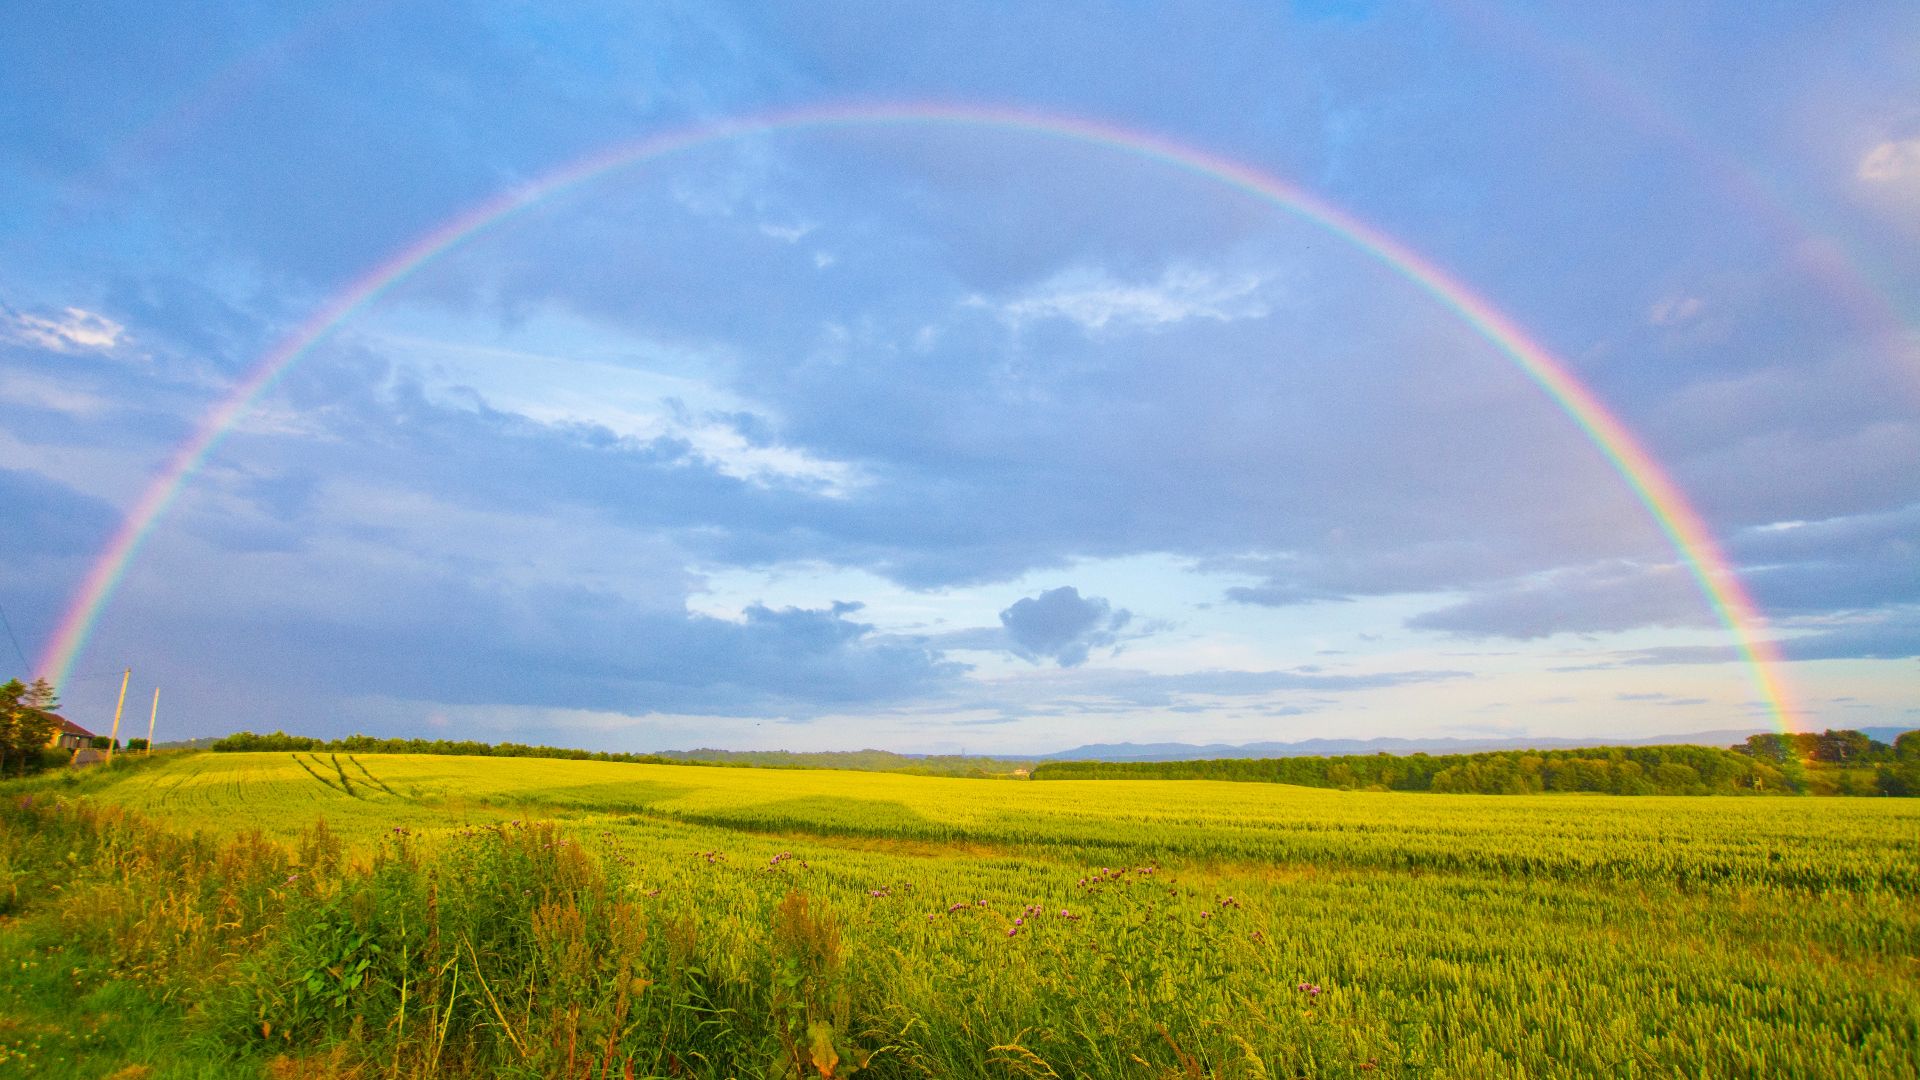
<point x="1842" y="747"/>
<point x="1768" y="747"/>
<point x="27" y="722"/>
<point x="1906" y="746"/>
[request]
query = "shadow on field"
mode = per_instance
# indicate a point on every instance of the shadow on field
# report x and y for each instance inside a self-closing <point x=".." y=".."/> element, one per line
<point x="825" y="815"/>
<point x="613" y="797"/>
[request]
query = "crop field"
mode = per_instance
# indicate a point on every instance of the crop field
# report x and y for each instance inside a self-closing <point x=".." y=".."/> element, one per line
<point x="480" y="916"/>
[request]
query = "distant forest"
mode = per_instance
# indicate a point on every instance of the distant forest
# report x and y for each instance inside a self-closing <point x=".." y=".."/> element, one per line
<point x="859" y="760"/>
<point x="1830" y="763"/>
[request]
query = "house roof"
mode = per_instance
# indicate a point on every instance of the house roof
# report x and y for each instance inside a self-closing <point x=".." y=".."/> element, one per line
<point x="68" y="727"/>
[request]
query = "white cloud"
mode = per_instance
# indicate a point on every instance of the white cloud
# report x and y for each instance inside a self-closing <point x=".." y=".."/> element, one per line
<point x="1891" y="160"/>
<point x="1675" y="309"/>
<point x="1095" y="300"/>
<point x="633" y="402"/>
<point x="72" y="330"/>
<point x="787" y="233"/>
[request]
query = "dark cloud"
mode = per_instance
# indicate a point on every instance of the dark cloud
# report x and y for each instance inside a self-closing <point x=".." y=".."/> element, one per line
<point x="1588" y="599"/>
<point x="451" y="642"/>
<point x="40" y="516"/>
<point x="1857" y="562"/>
<point x="1062" y="626"/>
<point x="1889" y="634"/>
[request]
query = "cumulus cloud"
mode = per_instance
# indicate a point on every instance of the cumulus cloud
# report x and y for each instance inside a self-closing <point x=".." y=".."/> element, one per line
<point x="1062" y="626"/>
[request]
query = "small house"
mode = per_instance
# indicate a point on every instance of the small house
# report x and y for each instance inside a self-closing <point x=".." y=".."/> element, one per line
<point x="69" y="736"/>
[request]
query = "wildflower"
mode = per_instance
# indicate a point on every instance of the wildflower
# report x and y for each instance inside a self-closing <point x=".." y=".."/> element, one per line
<point x="1019" y="922"/>
<point x="1012" y="930"/>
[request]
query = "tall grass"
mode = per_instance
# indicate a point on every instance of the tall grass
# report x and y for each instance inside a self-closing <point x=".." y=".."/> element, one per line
<point x="808" y="927"/>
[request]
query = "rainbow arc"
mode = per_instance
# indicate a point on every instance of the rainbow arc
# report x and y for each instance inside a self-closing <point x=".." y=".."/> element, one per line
<point x="1656" y="491"/>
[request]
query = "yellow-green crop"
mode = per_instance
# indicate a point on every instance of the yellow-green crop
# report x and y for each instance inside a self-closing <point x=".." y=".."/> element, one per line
<point x="716" y="922"/>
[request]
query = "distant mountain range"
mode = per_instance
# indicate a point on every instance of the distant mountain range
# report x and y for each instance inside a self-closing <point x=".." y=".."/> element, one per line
<point x="1338" y="747"/>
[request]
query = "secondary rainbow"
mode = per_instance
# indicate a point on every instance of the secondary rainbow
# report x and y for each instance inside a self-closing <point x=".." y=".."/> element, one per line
<point x="1663" y="500"/>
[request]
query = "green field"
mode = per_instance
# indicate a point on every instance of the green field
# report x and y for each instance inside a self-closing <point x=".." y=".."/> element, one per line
<point x="741" y="922"/>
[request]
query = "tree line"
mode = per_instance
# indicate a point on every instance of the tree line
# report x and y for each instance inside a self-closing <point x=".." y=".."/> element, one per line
<point x="858" y="760"/>
<point x="279" y="741"/>
<point x="1834" y="762"/>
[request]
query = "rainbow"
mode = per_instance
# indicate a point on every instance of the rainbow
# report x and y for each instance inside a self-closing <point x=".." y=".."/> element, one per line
<point x="1656" y="491"/>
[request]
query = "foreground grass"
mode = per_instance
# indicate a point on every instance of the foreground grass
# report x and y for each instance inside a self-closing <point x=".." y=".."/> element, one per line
<point x="744" y="923"/>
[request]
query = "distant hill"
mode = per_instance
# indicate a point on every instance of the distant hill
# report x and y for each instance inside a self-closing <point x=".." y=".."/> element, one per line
<point x="1339" y="747"/>
<point x="1127" y="751"/>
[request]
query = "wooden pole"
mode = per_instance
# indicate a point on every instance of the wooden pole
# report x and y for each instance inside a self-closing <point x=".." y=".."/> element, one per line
<point x="151" y="719"/>
<point x="115" y="737"/>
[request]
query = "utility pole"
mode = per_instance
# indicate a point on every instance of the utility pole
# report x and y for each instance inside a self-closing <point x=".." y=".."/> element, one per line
<point x="114" y="739"/>
<point x="151" y="719"/>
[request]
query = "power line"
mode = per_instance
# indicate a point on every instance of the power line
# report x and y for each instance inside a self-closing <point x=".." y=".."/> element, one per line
<point x="26" y="666"/>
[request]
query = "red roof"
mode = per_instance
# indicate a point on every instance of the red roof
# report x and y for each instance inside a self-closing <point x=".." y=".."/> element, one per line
<point x="68" y="727"/>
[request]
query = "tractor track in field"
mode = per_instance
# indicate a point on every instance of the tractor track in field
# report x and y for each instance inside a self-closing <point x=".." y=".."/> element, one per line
<point x="372" y="779"/>
<point x="324" y="782"/>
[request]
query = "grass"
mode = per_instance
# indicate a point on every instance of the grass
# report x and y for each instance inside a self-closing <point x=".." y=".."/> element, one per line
<point x="526" y="917"/>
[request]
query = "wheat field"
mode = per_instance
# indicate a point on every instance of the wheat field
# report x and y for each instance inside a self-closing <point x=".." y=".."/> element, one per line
<point x="541" y="918"/>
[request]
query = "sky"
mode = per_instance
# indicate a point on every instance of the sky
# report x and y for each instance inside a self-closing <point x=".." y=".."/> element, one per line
<point x="950" y="378"/>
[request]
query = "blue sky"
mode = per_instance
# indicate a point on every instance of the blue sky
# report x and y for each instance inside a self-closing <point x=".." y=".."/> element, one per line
<point x="934" y="437"/>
